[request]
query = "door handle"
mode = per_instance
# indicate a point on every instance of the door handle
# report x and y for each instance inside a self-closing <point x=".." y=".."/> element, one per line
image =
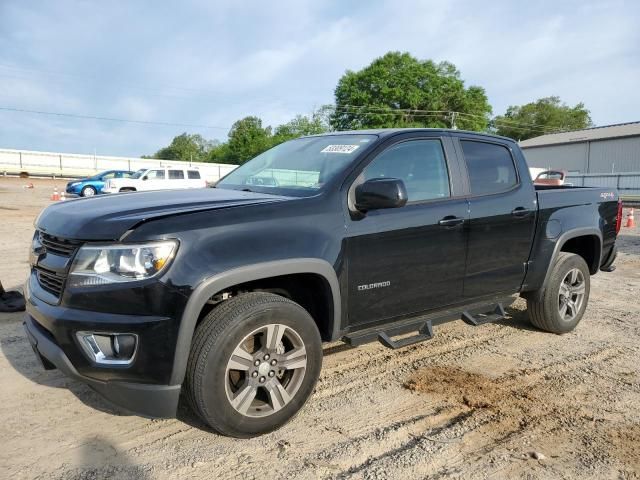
<point x="521" y="212"/>
<point x="451" y="221"/>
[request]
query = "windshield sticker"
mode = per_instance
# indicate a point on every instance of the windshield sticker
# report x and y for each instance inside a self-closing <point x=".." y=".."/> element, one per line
<point x="340" y="149"/>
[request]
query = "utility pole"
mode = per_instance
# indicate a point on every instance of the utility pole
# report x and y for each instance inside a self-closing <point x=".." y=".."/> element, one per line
<point x="453" y="120"/>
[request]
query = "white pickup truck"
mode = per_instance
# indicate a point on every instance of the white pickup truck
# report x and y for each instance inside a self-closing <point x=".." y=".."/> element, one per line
<point x="165" y="178"/>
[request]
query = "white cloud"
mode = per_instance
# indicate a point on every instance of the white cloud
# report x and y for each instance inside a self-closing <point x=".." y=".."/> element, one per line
<point x="211" y="63"/>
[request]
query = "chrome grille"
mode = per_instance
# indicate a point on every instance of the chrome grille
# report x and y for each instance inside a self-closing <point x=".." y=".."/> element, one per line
<point x="50" y="282"/>
<point x="58" y="246"/>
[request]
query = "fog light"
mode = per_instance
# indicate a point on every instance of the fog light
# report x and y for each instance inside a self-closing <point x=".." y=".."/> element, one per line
<point x="109" y="348"/>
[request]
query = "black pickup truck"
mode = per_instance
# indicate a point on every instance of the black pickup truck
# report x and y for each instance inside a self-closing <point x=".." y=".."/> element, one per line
<point x="226" y="294"/>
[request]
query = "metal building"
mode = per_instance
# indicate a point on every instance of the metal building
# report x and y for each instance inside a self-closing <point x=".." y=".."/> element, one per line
<point x="608" y="149"/>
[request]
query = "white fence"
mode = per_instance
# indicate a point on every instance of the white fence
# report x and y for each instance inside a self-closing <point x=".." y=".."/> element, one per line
<point x="627" y="184"/>
<point x="15" y="162"/>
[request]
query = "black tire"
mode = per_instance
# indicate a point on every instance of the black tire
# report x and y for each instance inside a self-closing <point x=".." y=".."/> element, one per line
<point x="544" y="306"/>
<point x="88" y="191"/>
<point x="220" y="333"/>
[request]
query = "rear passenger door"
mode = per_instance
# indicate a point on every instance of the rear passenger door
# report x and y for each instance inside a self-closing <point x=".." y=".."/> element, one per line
<point x="502" y="222"/>
<point x="194" y="179"/>
<point x="176" y="179"/>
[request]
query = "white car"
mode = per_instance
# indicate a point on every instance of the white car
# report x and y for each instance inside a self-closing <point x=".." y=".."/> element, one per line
<point x="166" y="178"/>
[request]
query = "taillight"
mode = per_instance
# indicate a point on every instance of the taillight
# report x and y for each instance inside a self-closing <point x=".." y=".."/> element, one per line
<point x="619" y="217"/>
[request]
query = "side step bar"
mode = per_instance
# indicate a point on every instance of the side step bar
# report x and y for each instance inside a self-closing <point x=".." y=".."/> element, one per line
<point x="474" y="314"/>
<point x="482" y="318"/>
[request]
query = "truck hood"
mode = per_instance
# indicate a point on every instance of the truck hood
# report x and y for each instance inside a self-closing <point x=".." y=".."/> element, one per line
<point x="108" y="217"/>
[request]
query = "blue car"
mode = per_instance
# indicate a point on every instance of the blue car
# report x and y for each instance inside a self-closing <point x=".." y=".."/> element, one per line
<point x="88" y="187"/>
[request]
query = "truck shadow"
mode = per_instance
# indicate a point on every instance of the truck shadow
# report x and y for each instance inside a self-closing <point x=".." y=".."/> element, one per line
<point x="17" y="350"/>
<point x="518" y="319"/>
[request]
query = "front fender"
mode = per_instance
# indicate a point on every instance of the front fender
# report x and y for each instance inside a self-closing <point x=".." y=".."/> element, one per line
<point x="210" y="286"/>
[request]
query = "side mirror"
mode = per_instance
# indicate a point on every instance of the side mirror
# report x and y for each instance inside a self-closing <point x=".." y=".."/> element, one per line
<point x="145" y="178"/>
<point x="380" y="193"/>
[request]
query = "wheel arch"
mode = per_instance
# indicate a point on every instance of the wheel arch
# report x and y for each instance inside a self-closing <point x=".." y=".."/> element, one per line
<point x="577" y="241"/>
<point x="224" y="280"/>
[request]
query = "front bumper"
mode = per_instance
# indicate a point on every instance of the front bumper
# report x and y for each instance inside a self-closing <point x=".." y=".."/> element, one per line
<point x="143" y="387"/>
<point x="143" y="399"/>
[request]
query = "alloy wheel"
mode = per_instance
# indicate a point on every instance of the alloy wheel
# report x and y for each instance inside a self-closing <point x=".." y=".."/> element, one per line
<point x="571" y="294"/>
<point x="265" y="370"/>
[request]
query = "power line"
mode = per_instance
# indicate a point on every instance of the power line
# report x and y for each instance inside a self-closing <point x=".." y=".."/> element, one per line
<point x="110" y="119"/>
<point x="445" y="114"/>
<point x="415" y="112"/>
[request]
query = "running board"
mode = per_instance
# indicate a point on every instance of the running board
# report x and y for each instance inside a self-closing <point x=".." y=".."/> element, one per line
<point x="474" y="314"/>
<point x="482" y="318"/>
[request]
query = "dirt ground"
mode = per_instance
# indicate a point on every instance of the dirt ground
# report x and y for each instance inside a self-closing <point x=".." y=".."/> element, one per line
<point x="497" y="401"/>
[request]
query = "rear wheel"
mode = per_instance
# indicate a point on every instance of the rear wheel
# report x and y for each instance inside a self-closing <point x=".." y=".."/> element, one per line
<point x="88" y="191"/>
<point x="254" y="361"/>
<point x="559" y="307"/>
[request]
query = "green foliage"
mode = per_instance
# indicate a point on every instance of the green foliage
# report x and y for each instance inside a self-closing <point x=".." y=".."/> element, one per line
<point x="247" y="138"/>
<point x="422" y="92"/>
<point x="302" y="125"/>
<point x="189" y="147"/>
<point x="545" y="115"/>
<point x="396" y="90"/>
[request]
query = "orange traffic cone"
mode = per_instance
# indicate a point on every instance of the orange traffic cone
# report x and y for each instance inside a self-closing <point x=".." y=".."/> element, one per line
<point x="631" y="223"/>
<point x="62" y="197"/>
<point x="55" y="196"/>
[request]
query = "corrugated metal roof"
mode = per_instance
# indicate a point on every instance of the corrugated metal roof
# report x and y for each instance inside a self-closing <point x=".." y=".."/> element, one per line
<point x="597" y="133"/>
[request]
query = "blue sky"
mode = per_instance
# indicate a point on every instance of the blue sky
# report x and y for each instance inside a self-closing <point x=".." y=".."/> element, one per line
<point x="209" y="63"/>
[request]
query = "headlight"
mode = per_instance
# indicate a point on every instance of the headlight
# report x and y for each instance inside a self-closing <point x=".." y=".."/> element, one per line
<point x="101" y="265"/>
<point x="75" y="184"/>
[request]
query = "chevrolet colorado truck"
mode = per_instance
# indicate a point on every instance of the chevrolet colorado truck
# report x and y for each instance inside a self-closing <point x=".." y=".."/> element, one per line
<point x="227" y="294"/>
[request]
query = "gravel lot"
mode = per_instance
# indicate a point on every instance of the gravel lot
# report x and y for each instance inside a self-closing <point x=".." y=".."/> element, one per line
<point x="471" y="403"/>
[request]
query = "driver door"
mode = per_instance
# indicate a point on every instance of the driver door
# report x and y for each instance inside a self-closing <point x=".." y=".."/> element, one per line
<point x="155" y="180"/>
<point x="407" y="260"/>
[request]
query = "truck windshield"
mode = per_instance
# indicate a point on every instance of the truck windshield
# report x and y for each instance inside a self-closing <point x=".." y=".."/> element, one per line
<point x="298" y="167"/>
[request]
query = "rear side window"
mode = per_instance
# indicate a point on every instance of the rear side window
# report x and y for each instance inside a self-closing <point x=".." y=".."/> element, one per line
<point x="490" y="166"/>
<point x="176" y="174"/>
<point x="420" y="164"/>
<point x="193" y="174"/>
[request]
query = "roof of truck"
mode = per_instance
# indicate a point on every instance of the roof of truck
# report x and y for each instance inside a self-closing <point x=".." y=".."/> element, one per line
<point x="385" y="132"/>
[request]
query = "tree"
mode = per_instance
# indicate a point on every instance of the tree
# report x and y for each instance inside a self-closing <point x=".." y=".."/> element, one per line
<point x="545" y="115"/>
<point x="398" y="90"/>
<point x="302" y="125"/>
<point x="190" y="147"/>
<point x="247" y="138"/>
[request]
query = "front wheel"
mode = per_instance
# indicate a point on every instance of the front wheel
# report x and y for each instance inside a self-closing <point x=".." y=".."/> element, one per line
<point x="254" y="362"/>
<point x="559" y="307"/>
<point x="88" y="191"/>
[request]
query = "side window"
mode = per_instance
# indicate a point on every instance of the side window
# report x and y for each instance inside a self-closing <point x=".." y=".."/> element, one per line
<point x="193" y="175"/>
<point x="176" y="174"/>
<point x="420" y="164"/>
<point x="109" y="176"/>
<point x="155" y="175"/>
<point x="490" y="166"/>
